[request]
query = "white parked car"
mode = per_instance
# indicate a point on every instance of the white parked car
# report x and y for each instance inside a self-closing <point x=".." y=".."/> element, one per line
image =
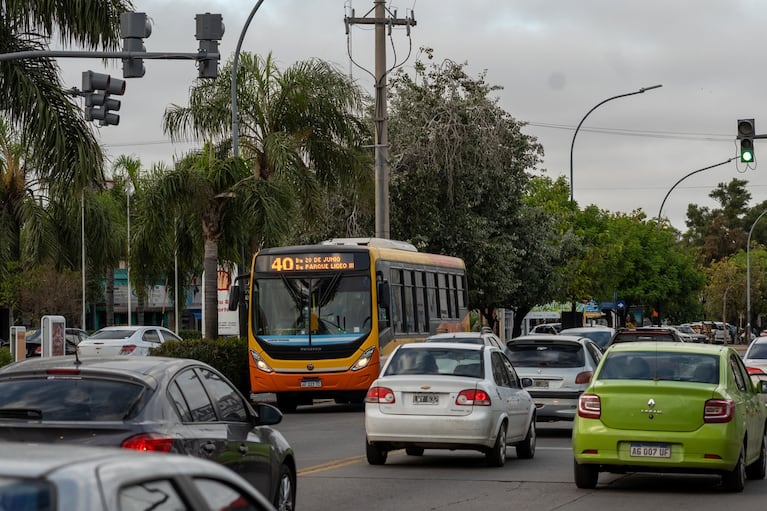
<point x="125" y="340"/>
<point x="755" y="357"/>
<point x="449" y="396"/>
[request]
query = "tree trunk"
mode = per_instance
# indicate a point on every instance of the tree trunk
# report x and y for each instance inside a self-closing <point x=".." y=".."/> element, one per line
<point x="210" y="280"/>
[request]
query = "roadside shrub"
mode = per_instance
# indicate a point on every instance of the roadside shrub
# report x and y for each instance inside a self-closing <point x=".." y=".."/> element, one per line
<point x="5" y="356"/>
<point x="190" y="334"/>
<point x="227" y="354"/>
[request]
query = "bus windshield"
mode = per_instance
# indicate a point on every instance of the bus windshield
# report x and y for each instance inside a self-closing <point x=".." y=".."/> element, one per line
<point x="333" y="307"/>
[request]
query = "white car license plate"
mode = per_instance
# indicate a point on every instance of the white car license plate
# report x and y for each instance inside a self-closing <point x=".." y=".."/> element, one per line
<point x="650" y="450"/>
<point x="311" y="383"/>
<point x="541" y="384"/>
<point x="425" y="399"/>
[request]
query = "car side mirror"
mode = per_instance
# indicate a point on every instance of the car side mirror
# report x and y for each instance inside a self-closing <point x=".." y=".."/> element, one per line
<point x="268" y="415"/>
<point x="234" y="297"/>
<point x="762" y="388"/>
<point x="527" y="382"/>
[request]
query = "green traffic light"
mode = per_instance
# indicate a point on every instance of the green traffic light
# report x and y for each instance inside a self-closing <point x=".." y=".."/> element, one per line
<point x="746" y="150"/>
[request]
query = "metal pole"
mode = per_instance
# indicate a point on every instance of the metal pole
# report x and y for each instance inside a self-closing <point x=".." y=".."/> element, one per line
<point x="175" y="271"/>
<point x="82" y="250"/>
<point x="127" y="261"/>
<point x="235" y="63"/>
<point x="748" y="278"/>
<point x="572" y="144"/>
<point x="381" y="142"/>
<point x="685" y="177"/>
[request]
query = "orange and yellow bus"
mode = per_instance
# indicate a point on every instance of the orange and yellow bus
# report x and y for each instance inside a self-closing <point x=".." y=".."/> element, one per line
<point x="322" y="316"/>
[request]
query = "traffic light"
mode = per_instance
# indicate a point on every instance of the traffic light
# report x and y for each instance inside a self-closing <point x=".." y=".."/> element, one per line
<point x="746" y="135"/>
<point x="210" y="30"/>
<point x="134" y="27"/>
<point x="97" y="88"/>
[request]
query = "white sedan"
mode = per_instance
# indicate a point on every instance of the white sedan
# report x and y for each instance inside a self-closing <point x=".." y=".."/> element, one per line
<point x="449" y="396"/>
<point x="125" y="340"/>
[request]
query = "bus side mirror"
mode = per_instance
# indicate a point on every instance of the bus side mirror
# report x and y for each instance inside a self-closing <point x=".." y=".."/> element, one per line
<point x="383" y="294"/>
<point x="234" y="297"/>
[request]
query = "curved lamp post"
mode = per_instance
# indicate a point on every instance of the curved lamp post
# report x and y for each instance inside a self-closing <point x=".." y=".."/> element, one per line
<point x="685" y="177"/>
<point x="748" y="277"/>
<point x="235" y="62"/>
<point x="572" y="144"/>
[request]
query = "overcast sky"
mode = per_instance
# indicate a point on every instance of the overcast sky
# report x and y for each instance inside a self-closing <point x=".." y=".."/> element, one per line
<point x="554" y="59"/>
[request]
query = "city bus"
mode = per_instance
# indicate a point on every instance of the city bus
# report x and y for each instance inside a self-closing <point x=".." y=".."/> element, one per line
<point x="321" y="317"/>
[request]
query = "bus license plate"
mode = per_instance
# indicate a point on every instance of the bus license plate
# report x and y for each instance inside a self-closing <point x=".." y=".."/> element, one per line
<point x="425" y="399"/>
<point x="312" y="384"/>
<point x="650" y="451"/>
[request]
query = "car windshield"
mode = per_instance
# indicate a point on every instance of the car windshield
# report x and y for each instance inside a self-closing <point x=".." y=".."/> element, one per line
<point x="758" y="350"/>
<point x="547" y="355"/>
<point x="600" y="337"/>
<point x="659" y="365"/>
<point x="112" y="334"/>
<point x="435" y="361"/>
<point x="68" y="399"/>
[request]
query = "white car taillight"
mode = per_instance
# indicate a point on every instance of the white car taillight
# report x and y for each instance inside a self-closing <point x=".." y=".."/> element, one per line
<point x="127" y="349"/>
<point x="381" y="395"/>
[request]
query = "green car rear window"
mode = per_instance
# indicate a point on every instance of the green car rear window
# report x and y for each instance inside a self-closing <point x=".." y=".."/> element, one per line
<point x="68" y="399"/>
<point x="635" y="336"/>
<point x="668" y="366"/>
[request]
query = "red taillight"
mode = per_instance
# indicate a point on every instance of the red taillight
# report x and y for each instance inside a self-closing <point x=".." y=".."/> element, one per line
<point x="476" y="397"/>
<point x="39" y="350"/>
<point x="380" y="395"/>
<point x="127" y="349"/>
<point x="754" y="370"/>
<point x="584" y="377"/>
<point x="148" y="442"/>
<point x="589" y="406"/>
<point x="718" y="410"/>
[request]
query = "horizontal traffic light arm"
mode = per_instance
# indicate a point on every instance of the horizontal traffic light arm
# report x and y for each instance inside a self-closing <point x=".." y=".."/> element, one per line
<point x="32" y="54"/>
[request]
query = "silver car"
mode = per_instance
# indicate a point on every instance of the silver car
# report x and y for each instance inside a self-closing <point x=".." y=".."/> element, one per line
<point x="135" y="340"/>
<point x="66" y="477"/>
<point x="561" y="367"/>
<point x="449" y="396"/>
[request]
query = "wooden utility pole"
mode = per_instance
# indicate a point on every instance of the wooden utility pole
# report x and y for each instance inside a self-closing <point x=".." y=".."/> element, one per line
<point x="381" y="22"/>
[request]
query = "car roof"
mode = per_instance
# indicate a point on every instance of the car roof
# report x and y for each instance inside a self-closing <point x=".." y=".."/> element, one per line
<point x="680" y="347"/>
<point x="586" y="329"/>
<point x="146" y="369"/>
<point x="449" y="345"/>
<point x="130" y="327"/>
<point x="37" y="460"/>
<point x="453" y="335"/>
<point x="538" y="338"/>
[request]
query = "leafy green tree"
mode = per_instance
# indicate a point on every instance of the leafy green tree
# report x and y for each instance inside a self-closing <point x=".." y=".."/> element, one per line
<point x="32" y="97"/>
<point x="458" y="176"/>
<point x="719" y="232"/>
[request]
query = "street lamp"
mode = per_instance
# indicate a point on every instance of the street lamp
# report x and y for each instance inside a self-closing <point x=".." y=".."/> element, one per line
<point x="128" y="191"/>
<point x="685" y="177"/>
<point x="748" y="277"/>
<point x="235" y="62"/>
<point x="572" y="145"/>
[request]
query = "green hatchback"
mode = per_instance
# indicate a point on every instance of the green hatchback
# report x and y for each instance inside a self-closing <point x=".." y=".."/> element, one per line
<point x="671" y="407"/>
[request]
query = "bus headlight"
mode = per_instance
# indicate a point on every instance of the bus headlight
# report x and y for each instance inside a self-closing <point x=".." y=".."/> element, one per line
<point x="364" y="360"/>
<point x="263" y="366"/>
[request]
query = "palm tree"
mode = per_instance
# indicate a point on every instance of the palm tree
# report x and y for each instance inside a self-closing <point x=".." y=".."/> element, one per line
<point x="31" y="94"/>
<point x="301" y="126"/>
<point x="301" y="137"/>
<point x="211" y="192"/>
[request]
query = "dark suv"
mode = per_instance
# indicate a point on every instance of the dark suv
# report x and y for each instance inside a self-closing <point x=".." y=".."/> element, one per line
<point x="645" y="333"/>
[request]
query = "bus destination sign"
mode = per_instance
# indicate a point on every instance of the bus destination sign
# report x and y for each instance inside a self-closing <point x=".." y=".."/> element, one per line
<point x="336" y="261"/>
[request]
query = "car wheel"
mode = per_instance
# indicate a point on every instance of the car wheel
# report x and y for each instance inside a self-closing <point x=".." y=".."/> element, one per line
<point x="285" y="496"/>
<point x="586" y="476"/>
<point x="496" y="457"/>
<point x="414" y="451"/>
<point x="375" y="453"/>
<point x="735" y="480"/>
<point x="526" y="448"/>
<point x="758" y="469"/>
